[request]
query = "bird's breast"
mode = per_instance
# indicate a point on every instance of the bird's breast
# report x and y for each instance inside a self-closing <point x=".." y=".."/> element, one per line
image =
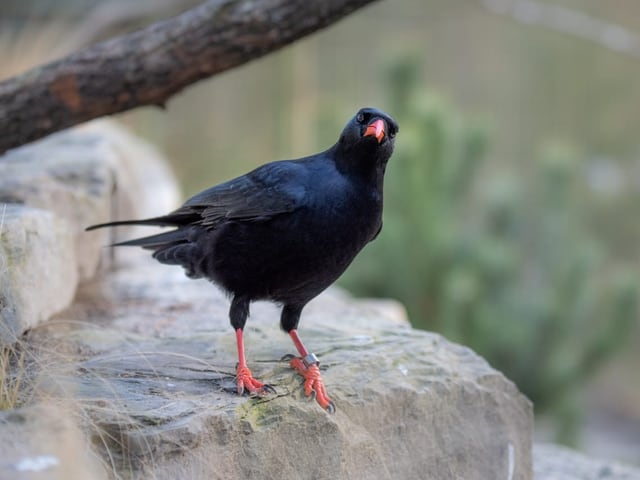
<point x="294" y="256"/>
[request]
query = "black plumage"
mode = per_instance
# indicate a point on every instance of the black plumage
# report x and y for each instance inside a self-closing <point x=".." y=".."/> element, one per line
<point x="283" y="232"/>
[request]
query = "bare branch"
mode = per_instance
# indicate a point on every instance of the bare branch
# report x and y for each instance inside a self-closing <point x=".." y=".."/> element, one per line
<point x="147" y="67"/>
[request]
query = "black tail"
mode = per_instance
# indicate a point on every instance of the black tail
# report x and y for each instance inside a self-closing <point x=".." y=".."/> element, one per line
<point x="174" y="247"/>
<point x="157" y="241"/>
<point x="171" y="220"/>
<point x="148" y="221"/>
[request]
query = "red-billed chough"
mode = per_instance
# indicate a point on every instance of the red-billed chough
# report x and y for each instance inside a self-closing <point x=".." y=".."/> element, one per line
<point x="283" y="232"/>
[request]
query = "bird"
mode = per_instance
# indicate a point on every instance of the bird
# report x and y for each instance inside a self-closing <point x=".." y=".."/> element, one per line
<point x="283" y="232"/>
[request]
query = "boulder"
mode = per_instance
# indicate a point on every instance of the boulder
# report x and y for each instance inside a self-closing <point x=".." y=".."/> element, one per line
<point x="86" y="175"/>
<point x="70" y="180"/>
<point x="148" y="356"/>
<point x="38" y="273"/>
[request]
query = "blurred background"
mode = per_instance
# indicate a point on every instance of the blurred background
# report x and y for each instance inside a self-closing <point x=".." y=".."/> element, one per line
<point x="511" y="201"/>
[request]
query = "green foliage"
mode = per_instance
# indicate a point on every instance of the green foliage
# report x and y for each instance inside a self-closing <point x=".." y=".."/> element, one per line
<point x="503" y="263"/>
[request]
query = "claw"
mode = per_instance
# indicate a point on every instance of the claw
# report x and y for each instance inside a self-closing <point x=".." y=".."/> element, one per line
<point x="246" y="383"/>
<point x="287" y="358"/>
<point x="268" y="388"/>
<point x="331" y="407"/>
<point x="313" y="385"/>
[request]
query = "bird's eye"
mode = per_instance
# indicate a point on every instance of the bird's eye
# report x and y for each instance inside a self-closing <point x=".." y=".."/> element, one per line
<point x="360" y="117"/>
<point x="392" y="133"/>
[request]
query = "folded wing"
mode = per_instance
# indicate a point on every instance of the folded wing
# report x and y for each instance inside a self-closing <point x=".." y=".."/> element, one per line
<point x="271" y="190"/>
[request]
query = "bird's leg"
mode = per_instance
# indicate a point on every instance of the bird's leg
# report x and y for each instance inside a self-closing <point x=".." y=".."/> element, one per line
<point x="244" y="378"/>
<point x="307" y="365"/>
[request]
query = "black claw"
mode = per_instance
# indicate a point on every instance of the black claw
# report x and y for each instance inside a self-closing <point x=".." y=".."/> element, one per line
<point x="287" y="357"/>
<point x="268" y="389"/>
<point x="331" y="408"/>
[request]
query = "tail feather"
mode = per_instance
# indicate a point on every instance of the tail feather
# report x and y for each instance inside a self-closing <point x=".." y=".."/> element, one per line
<point x="176" y="220"/>
<point x="157" y="241"/>
<point x="148" y="221"/>
<point x="175" y="247"/>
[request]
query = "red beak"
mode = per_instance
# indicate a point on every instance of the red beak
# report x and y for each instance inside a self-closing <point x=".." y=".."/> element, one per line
<point x="375" y="129"/>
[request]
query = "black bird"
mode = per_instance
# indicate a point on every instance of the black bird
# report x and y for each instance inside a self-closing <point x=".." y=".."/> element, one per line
<point x="283" y="232"/>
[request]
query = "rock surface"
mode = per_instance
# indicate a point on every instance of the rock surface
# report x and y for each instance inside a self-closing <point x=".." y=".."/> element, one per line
<point x="149" y="357"/>
<point x="69" y="181"/>
<point x="552" y="462"/>
<point x="37" y="268"/>
<point x="42" y="442"/>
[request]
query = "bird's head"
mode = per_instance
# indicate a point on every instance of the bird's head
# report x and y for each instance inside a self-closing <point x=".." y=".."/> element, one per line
<point x="367" y="140"/>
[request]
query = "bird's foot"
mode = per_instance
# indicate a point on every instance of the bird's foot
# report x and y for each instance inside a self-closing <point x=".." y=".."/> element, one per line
<point x="313" y="384"/>
<point x="246" y="382"/>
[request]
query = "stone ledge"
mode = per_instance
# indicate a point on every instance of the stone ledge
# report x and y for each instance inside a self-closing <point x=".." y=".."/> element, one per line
<point x="149" y="356"/>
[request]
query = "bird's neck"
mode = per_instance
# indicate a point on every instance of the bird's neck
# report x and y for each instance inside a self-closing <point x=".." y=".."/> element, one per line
<point x="360" y="163"/>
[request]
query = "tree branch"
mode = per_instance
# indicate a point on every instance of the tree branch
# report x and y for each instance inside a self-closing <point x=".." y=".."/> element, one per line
<point x="149" y="66"/>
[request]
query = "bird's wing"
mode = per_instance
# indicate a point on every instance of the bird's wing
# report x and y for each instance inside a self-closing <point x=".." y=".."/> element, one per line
<point x="273" y="189"/>
<point x="270" y="190"/>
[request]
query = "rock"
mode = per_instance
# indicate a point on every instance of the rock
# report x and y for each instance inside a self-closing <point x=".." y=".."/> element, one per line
<point x="552" y="462"/>
<point x="41" y="442"/>
<point x="74" y="176"/>
<point x="149" y="357"/>
<point x="88" y="175"/>
<point x="38" y="273"/>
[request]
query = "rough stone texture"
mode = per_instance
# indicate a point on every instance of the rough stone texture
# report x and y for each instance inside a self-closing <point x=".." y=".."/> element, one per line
<point x="552" y="462"/>
<point x="37" y="268"/>
<point x="42" y="443"/>
<point x="149" y="356"/>
<point x="87" y="175"/>
<point x="69" y="181"/>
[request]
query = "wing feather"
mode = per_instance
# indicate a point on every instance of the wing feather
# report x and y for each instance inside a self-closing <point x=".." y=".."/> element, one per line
<point x="261" y="194"/>
<point x="273" y="189"/>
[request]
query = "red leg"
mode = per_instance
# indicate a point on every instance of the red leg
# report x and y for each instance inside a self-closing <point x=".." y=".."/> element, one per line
<point x="244" y="377"/>
<point x="307" y="366"/>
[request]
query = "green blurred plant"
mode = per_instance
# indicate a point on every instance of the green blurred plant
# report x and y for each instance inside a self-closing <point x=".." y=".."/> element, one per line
<point x="499" y="262"/>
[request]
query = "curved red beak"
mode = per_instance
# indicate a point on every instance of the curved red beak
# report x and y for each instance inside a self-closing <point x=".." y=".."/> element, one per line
<point x="375" y="129"/>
